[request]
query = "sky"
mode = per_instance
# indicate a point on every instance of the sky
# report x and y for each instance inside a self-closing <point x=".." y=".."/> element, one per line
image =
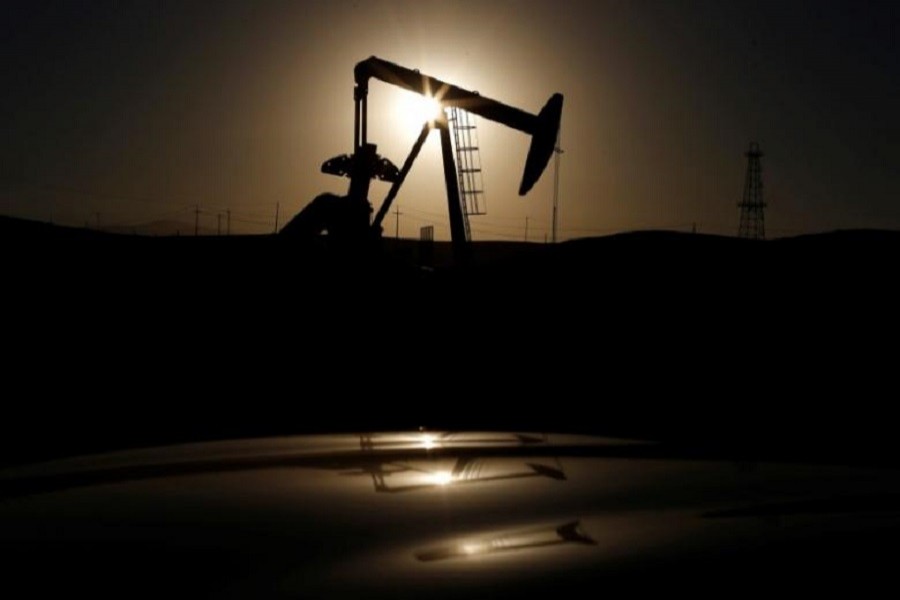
<point x="130" y="111"/>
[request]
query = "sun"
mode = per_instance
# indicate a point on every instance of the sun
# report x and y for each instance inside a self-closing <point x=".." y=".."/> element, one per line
<point x="414" y="110"/>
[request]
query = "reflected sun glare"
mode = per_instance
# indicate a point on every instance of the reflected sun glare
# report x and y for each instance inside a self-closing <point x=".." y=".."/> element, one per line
<point x="439" y="478"/>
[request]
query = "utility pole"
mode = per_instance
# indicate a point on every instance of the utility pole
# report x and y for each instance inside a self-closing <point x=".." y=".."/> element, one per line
<point x="197" y="220"/>
<point x="228" y="222"/>
<point x="219" y="224"/>
<point x="557" y="151"/>
<point x="526" y="229"/>
<point x="277" y="210"/>
<point x="397" y="214"/>
<point x="98" y="220"/>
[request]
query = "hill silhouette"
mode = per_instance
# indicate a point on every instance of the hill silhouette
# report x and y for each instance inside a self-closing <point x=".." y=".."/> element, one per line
<point x="780" y="346"/>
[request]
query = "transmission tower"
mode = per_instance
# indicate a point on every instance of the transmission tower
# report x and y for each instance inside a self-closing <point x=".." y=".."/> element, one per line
<point x="753" y="222"/>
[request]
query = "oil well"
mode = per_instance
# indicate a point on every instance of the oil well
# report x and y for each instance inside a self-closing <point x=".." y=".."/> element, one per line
<point x="350" y="219"/>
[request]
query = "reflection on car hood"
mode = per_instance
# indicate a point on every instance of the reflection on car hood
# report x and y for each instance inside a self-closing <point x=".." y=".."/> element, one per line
<point x="440" y="514"/>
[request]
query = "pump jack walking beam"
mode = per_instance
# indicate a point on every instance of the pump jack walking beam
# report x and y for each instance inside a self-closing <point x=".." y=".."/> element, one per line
<point x="543" y="127"/>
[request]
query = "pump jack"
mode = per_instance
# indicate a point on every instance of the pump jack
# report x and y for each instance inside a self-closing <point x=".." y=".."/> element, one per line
<point x="348" y="217"/>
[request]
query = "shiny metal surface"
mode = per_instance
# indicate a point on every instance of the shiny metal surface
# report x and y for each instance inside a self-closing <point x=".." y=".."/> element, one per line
<point x="437" y="514"/>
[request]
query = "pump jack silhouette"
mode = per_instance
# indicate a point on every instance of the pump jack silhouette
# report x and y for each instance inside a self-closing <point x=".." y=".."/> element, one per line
<point x="347" y="218"/>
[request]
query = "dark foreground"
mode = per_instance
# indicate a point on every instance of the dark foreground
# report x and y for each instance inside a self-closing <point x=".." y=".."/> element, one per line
<point x="783" y="349"/>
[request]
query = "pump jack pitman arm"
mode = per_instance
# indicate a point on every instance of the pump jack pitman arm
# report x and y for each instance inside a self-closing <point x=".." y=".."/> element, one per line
<point x="543" y="127"/>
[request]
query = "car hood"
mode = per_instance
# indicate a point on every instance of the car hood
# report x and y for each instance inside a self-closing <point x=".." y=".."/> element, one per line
<point x="441" y="514"/>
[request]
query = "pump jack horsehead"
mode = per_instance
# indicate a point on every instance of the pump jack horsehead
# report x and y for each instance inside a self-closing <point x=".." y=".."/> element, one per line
<point x="348" y="217"/>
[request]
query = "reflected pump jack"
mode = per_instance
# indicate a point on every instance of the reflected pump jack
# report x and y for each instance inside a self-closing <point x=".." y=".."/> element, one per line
<point x="348" y="217"/>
